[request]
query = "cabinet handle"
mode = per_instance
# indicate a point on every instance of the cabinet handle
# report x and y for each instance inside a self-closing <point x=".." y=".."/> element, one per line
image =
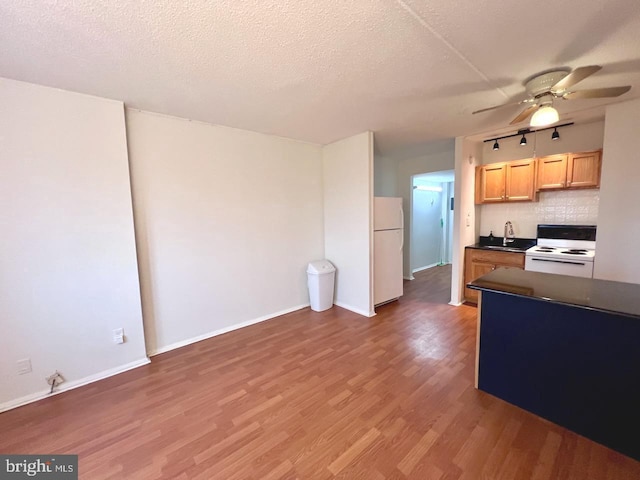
<point x="493" y="267"/>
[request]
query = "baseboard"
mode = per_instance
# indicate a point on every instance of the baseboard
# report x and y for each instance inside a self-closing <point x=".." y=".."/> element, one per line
<point x="215" y="333"/>
<point x="353" y="309"/>
<point x="424" y="268"/>
<point x="65" y="387"/>
<point x="455" y="304"/>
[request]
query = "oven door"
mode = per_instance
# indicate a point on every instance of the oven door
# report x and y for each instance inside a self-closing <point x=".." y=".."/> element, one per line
<point x="575" y="268"/>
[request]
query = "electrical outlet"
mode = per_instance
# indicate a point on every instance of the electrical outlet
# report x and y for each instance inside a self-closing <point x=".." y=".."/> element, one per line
<point x="118" y="335"/>
<point x="24" y="366"/>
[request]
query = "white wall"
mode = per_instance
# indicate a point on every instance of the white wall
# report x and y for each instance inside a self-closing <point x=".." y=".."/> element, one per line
<point x="385" y="176"/>
<point x="226" y="222"/>
<point x="427" y="242"/>
<point x="432" y="157"/>
<point x="467" y="157"/>
<point x="68" y="273"/>
<point x="569" y="207"/>
<point x="619" y="219"/>
<point x="348" y="219"/>
<point x="573" y="138"/>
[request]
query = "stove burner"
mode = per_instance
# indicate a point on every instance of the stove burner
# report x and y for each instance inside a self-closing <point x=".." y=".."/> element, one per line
<point x="575" y="251"/>
<point x="545" y="249"/>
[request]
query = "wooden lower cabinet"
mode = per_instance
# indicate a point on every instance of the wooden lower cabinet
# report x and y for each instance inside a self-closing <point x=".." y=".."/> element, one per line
<point x="478" y="262"/>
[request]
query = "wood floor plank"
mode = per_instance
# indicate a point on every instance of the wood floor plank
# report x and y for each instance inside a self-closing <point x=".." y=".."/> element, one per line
<point x="353" y="451"/>
<point x="313" y="396"/>
<point x="417" y="452"/>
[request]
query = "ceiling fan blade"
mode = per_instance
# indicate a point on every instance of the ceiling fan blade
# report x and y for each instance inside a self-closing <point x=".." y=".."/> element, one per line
<point x="528" y="100"/>
<point x="574" y="77"/>
<point x="524" y="114"/>
<point x="597" y="93"/>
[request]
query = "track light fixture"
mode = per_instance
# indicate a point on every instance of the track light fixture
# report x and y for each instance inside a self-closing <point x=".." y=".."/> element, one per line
<point x="523" y="132"/>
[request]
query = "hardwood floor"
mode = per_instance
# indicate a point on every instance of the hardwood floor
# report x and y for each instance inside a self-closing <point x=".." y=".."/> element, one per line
<point x="313" y="396"/>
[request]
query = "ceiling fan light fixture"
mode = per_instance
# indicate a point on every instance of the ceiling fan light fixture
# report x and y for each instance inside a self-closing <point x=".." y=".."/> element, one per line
<point x="545" y="115"/>
<point x="523" y="140"/>
<point x="496" y="146"/>
<point x="555" y="135"/>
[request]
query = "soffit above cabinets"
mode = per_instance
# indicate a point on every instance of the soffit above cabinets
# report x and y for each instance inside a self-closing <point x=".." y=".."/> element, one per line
<point x="317" y="71"/>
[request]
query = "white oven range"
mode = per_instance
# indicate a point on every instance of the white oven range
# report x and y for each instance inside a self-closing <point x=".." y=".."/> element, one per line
<point x="564" y="250"/>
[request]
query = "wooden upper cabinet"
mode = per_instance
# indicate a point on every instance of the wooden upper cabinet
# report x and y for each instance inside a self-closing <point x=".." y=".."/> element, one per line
<point x="552" y="172"/>
<point x="583" y="169"/>
<point x="520" y="181"/>
<point x="571" y="170"/>
<point x="490" y="183"/>
<point x="506" y="182"/>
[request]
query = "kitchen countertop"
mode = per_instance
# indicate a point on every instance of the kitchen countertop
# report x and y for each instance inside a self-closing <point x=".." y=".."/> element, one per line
<point x="519" y="245"/>
<point x="601" y="295"/>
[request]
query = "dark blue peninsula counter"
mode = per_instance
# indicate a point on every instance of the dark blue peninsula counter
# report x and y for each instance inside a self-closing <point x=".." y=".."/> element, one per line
<point x="564" y="348"/>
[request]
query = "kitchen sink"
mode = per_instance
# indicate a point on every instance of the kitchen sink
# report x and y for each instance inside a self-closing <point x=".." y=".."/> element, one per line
<point x="503" y="249"/>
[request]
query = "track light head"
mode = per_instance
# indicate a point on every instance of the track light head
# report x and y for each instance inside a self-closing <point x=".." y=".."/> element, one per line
<point x="496" y="146"/>
<point x="555" y="135"/>
<point x="523" y="140"/>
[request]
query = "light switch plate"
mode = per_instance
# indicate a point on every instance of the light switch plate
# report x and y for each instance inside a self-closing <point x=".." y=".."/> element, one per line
<point x="118" y="335"/>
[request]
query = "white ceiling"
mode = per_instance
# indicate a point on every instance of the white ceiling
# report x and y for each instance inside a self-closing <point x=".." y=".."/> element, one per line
<point x="320" y="70"/>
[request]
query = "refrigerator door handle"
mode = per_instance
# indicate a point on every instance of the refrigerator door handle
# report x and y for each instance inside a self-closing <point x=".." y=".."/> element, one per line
<point x="401" y="227"/>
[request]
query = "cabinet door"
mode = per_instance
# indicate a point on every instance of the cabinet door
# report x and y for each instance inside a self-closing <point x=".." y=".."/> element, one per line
<point x="583" y="170"/>
<point x="552" y="172"/>
<point x="477" y="269"/>
<point x="490" y="183"/>
<point x="480" y="262"/>
<point x="520" y="184"/>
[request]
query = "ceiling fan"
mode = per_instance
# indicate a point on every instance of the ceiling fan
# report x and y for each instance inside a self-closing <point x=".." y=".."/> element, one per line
<point x="544" y="88"/>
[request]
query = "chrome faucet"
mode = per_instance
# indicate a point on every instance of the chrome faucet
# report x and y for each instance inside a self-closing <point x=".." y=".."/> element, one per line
<point x="509" y="235"/>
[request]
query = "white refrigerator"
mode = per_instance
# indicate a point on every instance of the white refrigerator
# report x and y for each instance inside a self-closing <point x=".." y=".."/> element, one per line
<point x="388" y="240"/>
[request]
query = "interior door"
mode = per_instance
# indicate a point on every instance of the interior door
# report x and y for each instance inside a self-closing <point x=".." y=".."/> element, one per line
<point x="387" y="265"/>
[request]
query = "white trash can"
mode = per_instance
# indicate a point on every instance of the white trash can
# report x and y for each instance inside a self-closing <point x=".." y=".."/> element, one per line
<point x="321" y="277"/>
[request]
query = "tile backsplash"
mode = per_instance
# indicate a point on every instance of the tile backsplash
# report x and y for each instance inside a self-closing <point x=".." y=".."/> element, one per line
<point x="578" y="207"/>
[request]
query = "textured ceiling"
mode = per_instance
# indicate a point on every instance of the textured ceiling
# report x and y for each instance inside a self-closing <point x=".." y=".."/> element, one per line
<point x="411" y="71"/>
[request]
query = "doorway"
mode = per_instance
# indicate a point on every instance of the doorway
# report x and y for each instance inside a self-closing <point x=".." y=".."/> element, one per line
<point x="431" y="220"/>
